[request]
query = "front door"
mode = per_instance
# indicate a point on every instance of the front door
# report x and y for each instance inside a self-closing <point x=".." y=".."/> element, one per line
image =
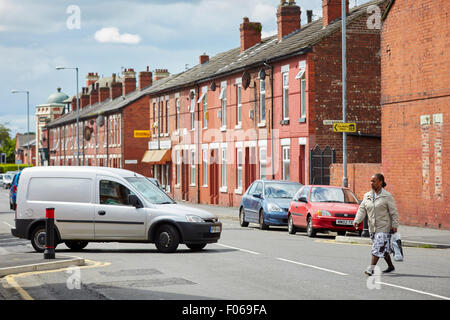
<point x="114" y="218"/>
<point x="214" y="178"/>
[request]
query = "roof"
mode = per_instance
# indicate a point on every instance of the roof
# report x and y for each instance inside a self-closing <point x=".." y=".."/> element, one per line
<point x="232" y="61"/>
<point x="82" y="169"/>
<point x="57" y="97"/>
<point x="23" y="139"/>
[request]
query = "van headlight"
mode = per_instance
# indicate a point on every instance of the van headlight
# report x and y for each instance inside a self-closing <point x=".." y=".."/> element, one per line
<point x="193" y="218"/>
<point x="272" y="207"/>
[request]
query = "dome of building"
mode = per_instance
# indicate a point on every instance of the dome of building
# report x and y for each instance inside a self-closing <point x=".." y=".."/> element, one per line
<point x="57" y="97"/>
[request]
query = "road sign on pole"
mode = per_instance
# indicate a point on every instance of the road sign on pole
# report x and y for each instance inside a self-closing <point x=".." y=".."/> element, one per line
<point x="344" y="127"/>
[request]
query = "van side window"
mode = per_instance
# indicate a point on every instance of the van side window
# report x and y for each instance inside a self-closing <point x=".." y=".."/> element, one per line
<point x="113" y="193"/>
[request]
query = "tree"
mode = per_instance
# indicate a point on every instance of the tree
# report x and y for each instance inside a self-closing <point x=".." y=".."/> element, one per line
<point x="7" y="145"/>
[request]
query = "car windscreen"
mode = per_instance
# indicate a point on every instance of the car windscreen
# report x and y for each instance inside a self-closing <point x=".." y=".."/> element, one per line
<point x="150" y="191"/>
<point x="338" y="195"/>
<point x="8" y="177"/>
<point x="281" y="190"/>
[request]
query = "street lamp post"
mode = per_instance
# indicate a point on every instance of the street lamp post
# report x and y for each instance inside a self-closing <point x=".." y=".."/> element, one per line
<point x="28" y="120"/>
<point x="78" y="114"/>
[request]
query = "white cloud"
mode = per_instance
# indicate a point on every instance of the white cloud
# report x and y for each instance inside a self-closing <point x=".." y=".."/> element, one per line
<point x="112" y="34"/>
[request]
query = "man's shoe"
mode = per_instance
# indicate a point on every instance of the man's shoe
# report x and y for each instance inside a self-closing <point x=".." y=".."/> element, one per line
<point x="389" y="269"/>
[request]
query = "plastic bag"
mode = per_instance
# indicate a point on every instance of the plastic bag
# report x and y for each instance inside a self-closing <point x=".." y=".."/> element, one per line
<point x="396" y="244"/>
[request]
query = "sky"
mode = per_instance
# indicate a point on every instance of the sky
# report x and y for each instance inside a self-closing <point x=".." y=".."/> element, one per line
<point x="105" y="36"/>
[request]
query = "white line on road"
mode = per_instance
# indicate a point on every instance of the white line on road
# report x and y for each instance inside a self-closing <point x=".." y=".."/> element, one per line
<point x="413" y="290"/>
<point x="252" y="252"/>
<point x="8" y="224"/>
<point x="315" y="267"/>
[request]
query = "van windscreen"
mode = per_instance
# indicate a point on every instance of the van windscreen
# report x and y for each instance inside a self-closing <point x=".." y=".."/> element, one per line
<point x="150" y="191"/>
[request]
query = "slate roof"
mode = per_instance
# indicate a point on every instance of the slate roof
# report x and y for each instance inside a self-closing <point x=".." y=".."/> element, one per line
<point x="232" y="61"/>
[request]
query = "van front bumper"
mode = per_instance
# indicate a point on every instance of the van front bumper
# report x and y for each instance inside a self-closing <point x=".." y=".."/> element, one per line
<point x="201" y="232"/>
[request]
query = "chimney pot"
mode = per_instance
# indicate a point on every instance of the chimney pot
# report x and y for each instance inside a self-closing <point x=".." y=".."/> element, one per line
<point x="309" y="14"/>
<point x="331" y="10"/>
<point x="288" y="19"/>
<point x="250" y="34"/>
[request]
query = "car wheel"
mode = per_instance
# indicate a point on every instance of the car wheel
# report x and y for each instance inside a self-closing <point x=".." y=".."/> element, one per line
<point x="196" y="247"/>
<point x="242" y="221"/>
<point x="291" y="227"/>
<point x="262" y="225"/>
<point x="310" y="231"/>
<point x="167" y="239"/>
<point x="38" y="238"/>
<point x="76" y="245"/>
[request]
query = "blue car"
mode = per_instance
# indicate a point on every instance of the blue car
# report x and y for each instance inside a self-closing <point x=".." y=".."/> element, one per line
<point x="13" y="191"/>
<point x="266" y="202"/>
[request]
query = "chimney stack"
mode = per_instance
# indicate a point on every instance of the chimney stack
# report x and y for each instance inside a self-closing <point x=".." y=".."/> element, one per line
<point x="116" y="88"/>
<point x="161" y="73"/>
<point x="204" y="58"/>
<point x="309" y="14"/>
<point x="145" y="79"/>
<point x="288" y="18"/>
<point x="331" y="10"/>
<point x="91" y="78"/>
<point x="74" y="103"/>
<point x="129" y="81"/>
<point x="103" y="93"/>
<point x="250" y="34"/>
<point x="93" y="96"/>
<point x="84" y="99"/>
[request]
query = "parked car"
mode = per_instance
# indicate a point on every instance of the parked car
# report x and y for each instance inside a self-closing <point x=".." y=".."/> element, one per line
<point x="13" y="191"/>
<point x="1" y="180"/>
<point x="120" y="205"/>
<point x="319" y="208"/>
<point x="7" y="180"/>
<point x="266" y="202"/>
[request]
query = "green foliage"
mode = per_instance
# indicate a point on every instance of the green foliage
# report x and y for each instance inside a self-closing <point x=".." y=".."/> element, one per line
<point x="12" y="167"/>
<point x="7" y="145"/>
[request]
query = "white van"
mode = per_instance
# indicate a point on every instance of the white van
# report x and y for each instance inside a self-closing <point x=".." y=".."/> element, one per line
<point x="97" y="204"/>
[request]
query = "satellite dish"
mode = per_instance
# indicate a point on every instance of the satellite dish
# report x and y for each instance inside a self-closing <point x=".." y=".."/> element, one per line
<point x="245" y="80"/>
<point x="262" y="74"/>
<point x="87" y="133"/>
<point x="100" y="121"/>
<point x="192" y="95"/>
<point x="213" y="86"/>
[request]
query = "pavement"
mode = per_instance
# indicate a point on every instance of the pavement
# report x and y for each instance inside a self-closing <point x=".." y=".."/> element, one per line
<point x="31" y="262"/>
<point x="410" y="236"/>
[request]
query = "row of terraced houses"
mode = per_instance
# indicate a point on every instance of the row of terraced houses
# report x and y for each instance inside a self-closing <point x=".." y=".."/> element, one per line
<point x="262" y="110"/>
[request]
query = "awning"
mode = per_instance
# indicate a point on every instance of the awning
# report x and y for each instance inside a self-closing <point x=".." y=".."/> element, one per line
<point x="157" y="156"/>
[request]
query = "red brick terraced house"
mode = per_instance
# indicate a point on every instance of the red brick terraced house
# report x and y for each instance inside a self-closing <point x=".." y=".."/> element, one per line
<point x="415" y="74"/>
<point x="111" y="109"/>
<point x="260" y="110"/>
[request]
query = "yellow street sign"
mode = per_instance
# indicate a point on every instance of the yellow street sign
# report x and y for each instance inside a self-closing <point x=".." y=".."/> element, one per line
<point x="142" y="134"/>
<point x="344" y="127"/>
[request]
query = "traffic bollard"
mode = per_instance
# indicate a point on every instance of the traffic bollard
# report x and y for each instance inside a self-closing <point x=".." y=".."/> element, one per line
<point x="49" y="252"/>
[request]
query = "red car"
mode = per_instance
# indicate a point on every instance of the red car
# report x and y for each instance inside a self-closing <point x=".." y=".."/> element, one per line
<point x="319" y="208"/>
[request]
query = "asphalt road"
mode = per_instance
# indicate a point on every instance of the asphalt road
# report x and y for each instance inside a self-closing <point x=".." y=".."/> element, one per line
<point x="247" y="263"/>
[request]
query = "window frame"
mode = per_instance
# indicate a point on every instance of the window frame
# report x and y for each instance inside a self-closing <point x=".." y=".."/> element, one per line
<point x="285" y="95"/>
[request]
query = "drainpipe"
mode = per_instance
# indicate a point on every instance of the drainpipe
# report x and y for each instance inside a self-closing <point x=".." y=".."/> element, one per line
<point x="198" y="143"/>
<point x="271" y="114"/>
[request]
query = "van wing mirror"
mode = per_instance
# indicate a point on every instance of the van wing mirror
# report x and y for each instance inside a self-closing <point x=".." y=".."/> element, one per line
<point x="134" y="201"/>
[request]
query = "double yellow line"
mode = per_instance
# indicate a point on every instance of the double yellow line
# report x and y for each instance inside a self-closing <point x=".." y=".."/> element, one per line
<point x="11" y="279"/>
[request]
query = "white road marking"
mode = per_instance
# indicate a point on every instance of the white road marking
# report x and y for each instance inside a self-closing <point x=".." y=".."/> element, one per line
<point x="414" y="290"/>
<point x="8" y="224"/>
<point x="252" y="252"/>
<point x="315" y="267"/>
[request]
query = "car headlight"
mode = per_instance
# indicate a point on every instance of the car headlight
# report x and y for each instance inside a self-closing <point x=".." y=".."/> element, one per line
<point x="193" y="218"/>
<point x="323" y="213"/>
<point x="272" y="207"/>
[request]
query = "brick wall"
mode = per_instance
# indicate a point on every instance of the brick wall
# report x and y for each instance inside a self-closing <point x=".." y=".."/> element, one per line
<point x="358" y="174"/>
<point x="415" y="113"/>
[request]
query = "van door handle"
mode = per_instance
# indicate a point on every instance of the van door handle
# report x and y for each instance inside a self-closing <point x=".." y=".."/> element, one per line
<point x="102" y="212"/>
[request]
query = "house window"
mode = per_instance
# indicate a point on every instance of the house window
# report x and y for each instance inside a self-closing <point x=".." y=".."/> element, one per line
<point x="262" y="163"/>
<point x="223" y="98"/>
<point x="178" y="166"/>
<point x="192" y="167"/>
<point x="286" y="162"/>
<point x="303" y="98"/>
<point x="167" y="116"/>
<point x="205" y="167"/>
<point x="205" y="112"/>
<point x="239" y="104"/>
<point x="192" y="109"/>
<point x="286" y="96"/>
<point x="154" y="118"/>
<point x="262" y="100"/>
<point x="177" y="120"/>
<point x="224" y="167"/>
<point x="239" y="168"/>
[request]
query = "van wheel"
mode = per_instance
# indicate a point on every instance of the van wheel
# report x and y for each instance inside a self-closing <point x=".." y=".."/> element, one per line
<point x="196" y="247"/>
<point x="76" y="245"/>
<point x="167" y="239"/>
<point x="38" y="238"/>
